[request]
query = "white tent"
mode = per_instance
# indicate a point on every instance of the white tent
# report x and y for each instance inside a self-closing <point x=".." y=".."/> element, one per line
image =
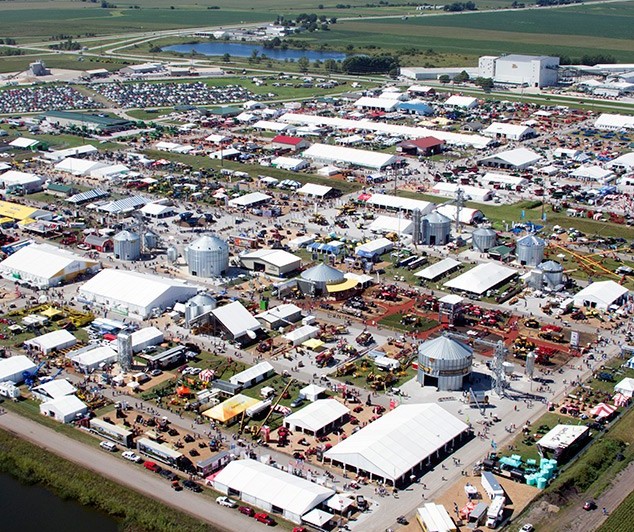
<point x="481" y="278"/>
<point x="91" y="358"/>
<point x="391" y="224"/>
<point x="388" y="201"/>
<point x="625" y="386"/>
<point x="601" y="295"/>
<point x="24" y="143"/>
<point x="53" y="340"/>
<point x="53" y="390"/>
<point x="317" y="416"/>
<point x="438" y="269"/>
<point x="237" y="320"/>
<point x="326" y="153"/>
<point x="64" y="409"/>
<point x="317" y="191"/>
<point x="267" y="487"/>
<point x="13" y="368"/>
<point x="394" y="445"/>
<point x="249" y="200"/>
<point x="301" y="334"/>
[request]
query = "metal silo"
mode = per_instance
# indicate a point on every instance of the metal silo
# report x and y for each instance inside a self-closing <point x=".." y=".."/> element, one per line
<point x="207" y="257"/>
<point x="127" y="246"/>
<point x="444" y="363"/>
<point x="124" y="351"/>
<point x="172" y="254"/>
<point x="553" y="274"/>
<point x="436" y="229"/>
<point x="150" y="240"/>
<point x="484" y="238"/>
<point x="530" y="250"/>
<point x="197" y="306"/>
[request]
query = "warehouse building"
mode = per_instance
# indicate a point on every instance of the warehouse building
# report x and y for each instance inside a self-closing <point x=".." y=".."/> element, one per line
<point x="275" y="262"/>
<point x="481" y="278"/>
<point x="27" y="183"/>
<point x="516" y="69"/>
<point x="89" y="121"/>
<point x="13" y="368"/>
<point x="44" y="266"/>
<point x="64" y="409"/>
<point x="271" y="489"/>
<point x="327" y="154"/>
<point x="517" y="159"/>
<point x="281" y="316"/>
<point x="399" y="444"/>
<point x="135" y="294"/>
<point x="420" y="73"/>
<point x="236" y="322"/>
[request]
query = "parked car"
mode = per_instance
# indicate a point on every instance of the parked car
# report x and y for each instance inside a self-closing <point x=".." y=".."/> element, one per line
<point x="176" y="485"/>
<point x="264" y="518"/>
<point x="298" y="401"/>
<point x="152" y="466"/>
<point x="156" y="372"/>
<point x="589" y="505"/>
<point x="167" y="474"/>
<point x="527" y="528"/>
<point x="192" y="486"/>
<point x="226" y="501"/>
<point x="132" y="456"/>
<point x="246" y="510"/>
<point x="108" y="446"/>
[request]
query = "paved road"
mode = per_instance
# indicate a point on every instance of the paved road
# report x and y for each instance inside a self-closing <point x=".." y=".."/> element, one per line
<point x="112" y="467"/>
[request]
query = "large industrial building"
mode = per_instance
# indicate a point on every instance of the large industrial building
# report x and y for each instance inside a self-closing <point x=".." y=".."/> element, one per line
<point x="43" y="265"/>
<point x="515" y="69"/>
<point x="399" y="444"/>
<point x="135" y="294"/>
<point x="272" y="261"/>
<point x="271" y="489"/>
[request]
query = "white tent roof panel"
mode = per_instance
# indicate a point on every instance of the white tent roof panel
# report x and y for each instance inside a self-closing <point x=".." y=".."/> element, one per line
<point x="317" y="415"/>
<point x="479" y="279"/>
<point x="237" y="319"/>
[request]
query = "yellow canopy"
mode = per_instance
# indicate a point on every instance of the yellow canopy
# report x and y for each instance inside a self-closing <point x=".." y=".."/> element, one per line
<point x="342" y="287"/>
<point x="230" y="408"/>
<point x="313" y="344"/>
<point x="15" y="211"/>
<point x="51" y="312"/>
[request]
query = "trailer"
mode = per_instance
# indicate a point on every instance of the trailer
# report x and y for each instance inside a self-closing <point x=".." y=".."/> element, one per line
<point x="494" y="515"/>
<point x="491" y="485"/>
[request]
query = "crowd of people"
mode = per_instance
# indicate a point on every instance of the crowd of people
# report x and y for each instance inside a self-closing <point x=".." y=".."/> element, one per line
<point x="50" y="98"/>
<point x="142" y="94"/>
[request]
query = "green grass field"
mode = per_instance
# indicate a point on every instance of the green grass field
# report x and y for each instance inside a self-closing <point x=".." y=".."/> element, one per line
<point x="571" y="31"/>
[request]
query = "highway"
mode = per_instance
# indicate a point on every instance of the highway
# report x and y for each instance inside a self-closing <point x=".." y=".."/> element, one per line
<point x="113" y="467"/>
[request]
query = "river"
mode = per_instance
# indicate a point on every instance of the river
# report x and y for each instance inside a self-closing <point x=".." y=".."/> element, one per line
<point x="246" y="50"/>
<point x="34" y="509"/>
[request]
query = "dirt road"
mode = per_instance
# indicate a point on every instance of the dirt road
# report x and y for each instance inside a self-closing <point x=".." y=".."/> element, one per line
<point x="200" y="506"/>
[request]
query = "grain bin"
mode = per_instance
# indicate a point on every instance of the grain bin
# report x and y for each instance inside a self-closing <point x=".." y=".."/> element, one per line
<point x="553" y="274"/>
<point x="530" y="250"/>
<point x="484" y="238"/>
<point x="127" y="246"/>
<point x="435" y="229"/>
<point x="445" y="363"/>
<point x="207" y="257"/>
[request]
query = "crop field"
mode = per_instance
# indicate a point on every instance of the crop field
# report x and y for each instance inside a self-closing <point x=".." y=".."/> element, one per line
<point x="571" y="31"/>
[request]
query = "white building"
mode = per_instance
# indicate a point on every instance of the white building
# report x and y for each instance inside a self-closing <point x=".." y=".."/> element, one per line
<point x="481" y="278"/>
<point x="52" y="341"/>
<point x="391" y="224"/>
<point x="92" y="357"/>
<point x="281" y="316"/>
<point x="398" y="203"/>
<point x="503" y="130"/>
<point x="517" y="159"/>
<point x="135" y="294"/>
<point x="13" y="368"/>
<point x="319" y="417"/>
<point x="236" y="321"/>
<point x="492" y="178"/>
<point x="328" y="154"/>
<point x="275" y="262"/>
<point x="601" y="295"/>
<point x="515" y="69"/>
<point x="78" y="167"/>
<point x="270" y="489"/>
<point x="383" y="104"/>
<point x="43" y="265"/>
<point x="52" y="390"/>
<point x="64" y="409"/>
<point x="461" y="102"/>
<point x="400" y="443"/>
<point x="27" y="182"/>
<point x="471" y="192"/>
<point x="613" y="122"/>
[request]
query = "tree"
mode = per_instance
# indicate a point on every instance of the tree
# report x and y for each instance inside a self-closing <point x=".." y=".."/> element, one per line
<point x="485" y="83"/>
<point x="226" y="58"/>
<point x="330" y="65"/>
<point x="444" y="78"/>
<point x="303" y="64"/>
<point x="462" y="77"/>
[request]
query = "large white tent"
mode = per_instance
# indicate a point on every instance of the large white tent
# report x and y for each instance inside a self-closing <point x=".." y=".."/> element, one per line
<point x="134" y="293"/>
<point x="249" y="200"/>
<point x="456" y="139"/>
<point x="625" y="386"/>
<point x="267" y="487"/>
<point x="391" y="224"/>
<point x="51" y="341"/>
<point x="236" y="320"/>
<point x="326" y="153"/>
<point x="317" y="416"/>
<point x="517" y="159"/>
<point x="388" y="201"/>
<point x="601" y="295"/>
<point x="13" y="368"/>
<point x="64" y="409"/>
<point x="481" y="278"/>
<point x="400" y="442"/>
<point x="439" y="268"/>
<point x="44" y="265"/>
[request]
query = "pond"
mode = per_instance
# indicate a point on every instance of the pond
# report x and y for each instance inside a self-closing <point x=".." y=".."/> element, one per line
<point x="237" y="49"/>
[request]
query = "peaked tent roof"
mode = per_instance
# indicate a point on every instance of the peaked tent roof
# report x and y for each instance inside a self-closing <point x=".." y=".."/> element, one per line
<point x="445" y="348"/>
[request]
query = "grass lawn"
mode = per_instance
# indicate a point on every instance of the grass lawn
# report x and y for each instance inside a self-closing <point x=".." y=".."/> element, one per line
<point x="394" y="322"/>
<point x="365" y="366"/>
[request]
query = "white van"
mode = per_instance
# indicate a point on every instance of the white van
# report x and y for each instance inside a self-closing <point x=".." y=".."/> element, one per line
<point x="108" y="446"/>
